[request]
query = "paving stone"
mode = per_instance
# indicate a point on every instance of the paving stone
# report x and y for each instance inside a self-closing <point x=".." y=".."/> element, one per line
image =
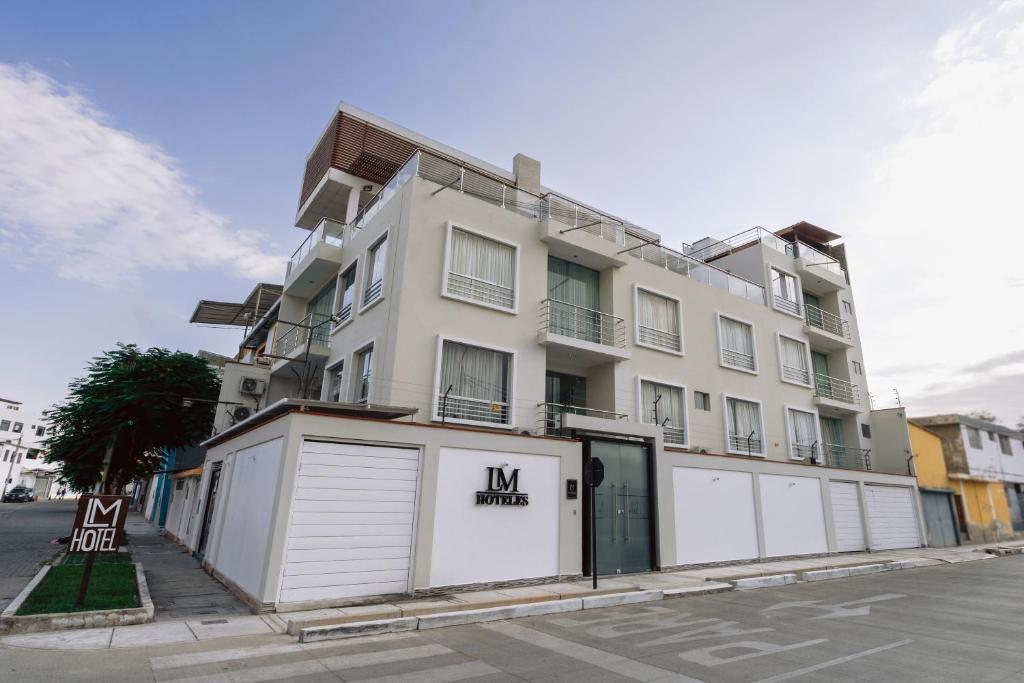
<point x="152" y="634"/>
<point x="85" y="639"/>
<point x="417" y="608"/>
<point x="220" y="628"/>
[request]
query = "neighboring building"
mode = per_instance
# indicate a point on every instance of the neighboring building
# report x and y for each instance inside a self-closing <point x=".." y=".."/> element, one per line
<point x="22" y="433"/>
<point x="983" y="464"/>
<point x="449" y="331"/>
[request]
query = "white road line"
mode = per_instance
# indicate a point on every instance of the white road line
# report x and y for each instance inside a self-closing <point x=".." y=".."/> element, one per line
<point x="276" y="672"/>
<point x="354" y="661"/>
<point x="629" y="668"/>
<point x="833" y="662"/>
<point x="453" y="672"/>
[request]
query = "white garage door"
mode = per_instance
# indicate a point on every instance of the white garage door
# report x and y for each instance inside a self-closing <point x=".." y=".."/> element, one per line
<point x="846" y="516"/>
<point x="714" y="515"/>
<point x="892" y="517"/>
<point x="794" y="520"/>
<point x="351" y="525"/>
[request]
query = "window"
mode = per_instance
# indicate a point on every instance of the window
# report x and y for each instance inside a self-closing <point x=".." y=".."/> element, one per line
<point x="702" y="400"/>
<point x="474" y="384"/>
<point x="848" y="307"/>
<point x="348" y="294"/>
<point x="17" y="427"/>
<point x="743" y="426"/>
<point x="858" y="369"/>
<point x="803" y="434"/>
<point x="664" y="404"/>
<point x="794" y="362"/>
<point x="1004" y="444"/>
<point x="32" y="454"/>
<point x="737" y="344"/>
<point x="364" y="368"/>
<point x="973" y="437"/>
<point x="657" y="322"/>
<point x="991" y="436"/>
<point x="17" y="458"/>
<point x="482" y="270"/>
<point x="40" y="431"/>
<point x="785" y="292"/>
<point x="865" y="431"/>
<point x="5" y="425"/>
<point x="334" y="381"/>
<point x="375" y="271"/>
<point x="7" y="454"/>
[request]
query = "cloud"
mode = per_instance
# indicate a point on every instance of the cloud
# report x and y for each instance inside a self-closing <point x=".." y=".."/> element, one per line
<point x="939" y="230"/>
<point x="98" y="203"/>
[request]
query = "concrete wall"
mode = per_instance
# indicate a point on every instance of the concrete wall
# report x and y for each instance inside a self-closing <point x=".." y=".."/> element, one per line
<point x="890" y="441"/>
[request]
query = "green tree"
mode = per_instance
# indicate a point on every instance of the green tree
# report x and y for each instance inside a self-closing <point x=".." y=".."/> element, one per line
<point x="130" y="406"/>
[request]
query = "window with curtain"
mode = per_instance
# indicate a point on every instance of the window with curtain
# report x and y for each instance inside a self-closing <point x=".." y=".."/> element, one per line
<point x="335" y="378"/>
<point x="375" y="271"/>
<point x="803" y="437"/>
<point x="364" y="368"/>
<point x="794" y="361"/>
<point x="785" y="293"/>
<point x="662" y="404"/>
<point x="737" y="341"/>
<point x="575" y="301"/>
<point x="658" y="321"/>
<point x="744" y="425"/>
<point x="318" y="313"/>
<point x="1004" y="445"/>
<point x="482" y="269"/>
<point x="348" y="293"/>
<point x="474" y="384"/>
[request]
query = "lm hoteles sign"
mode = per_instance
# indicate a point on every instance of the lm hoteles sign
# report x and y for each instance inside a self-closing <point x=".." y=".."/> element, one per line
<point x="99" y="524"/>
<point x="502" y="489"/>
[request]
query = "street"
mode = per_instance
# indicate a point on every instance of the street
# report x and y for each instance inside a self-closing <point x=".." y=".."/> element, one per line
<point x="944" y="623"/>
<point x="25" y="533"/>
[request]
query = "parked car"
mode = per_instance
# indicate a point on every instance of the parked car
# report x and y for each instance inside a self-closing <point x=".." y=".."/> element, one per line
<point x="19" y="494"/>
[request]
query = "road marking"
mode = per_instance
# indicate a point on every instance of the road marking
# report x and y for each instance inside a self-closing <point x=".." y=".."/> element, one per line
<point x="833" y="662"/>
<point x="853" y="608"/>
<point x="638" y="671"/>
<point x="453" y="672"/>
<point x="275" y="672"/>
<point x="354" y="661"/>
<point x="756" y="648"/>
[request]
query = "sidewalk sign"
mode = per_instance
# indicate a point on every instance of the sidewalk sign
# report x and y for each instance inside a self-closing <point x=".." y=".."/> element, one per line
<point x="99" y="528"/>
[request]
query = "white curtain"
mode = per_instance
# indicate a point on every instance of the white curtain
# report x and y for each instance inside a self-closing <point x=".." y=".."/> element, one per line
<point x="348" y="286"/>
<point x="794" y="354"/>
<point x="802" y="426"/>
<point x="784" y="285"/>
<point x="736" y="336"/>
<point x="473" y="372"/>
<point x="336" y="381"/>
<point x="482" y="259"/>
<point x="364" y="365"/>
<point x="377" y="262"/>
<point x="744" y="418"/>
<point x="658" y="313"/>
<point x="670" y="406"/>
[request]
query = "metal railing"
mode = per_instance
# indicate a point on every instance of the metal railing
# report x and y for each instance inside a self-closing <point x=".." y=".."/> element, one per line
<point x="740" y="240"/>
<point x="386" y="192"/>
<point x="314" y="328"/>
<point x="674" y="435"/>
<point x="744" y="443"/>
<point x="836" y="389"/>
<point x="327" y="231"/>
<point x="568" y="320"/>
<point x="488" y="188"/>
<point x="829" y="322"/>
<point x="845" y="457"/>
<point x="549" y="416"/>
<point x="373" y="291"/>
<point x="480" y="290"/>
<point x="805" y="452"/>
<point x="474" y="409"/>
<point x="738" y="359"/>
<point x="788" y="305"/>
<point x="795" y="374"/>
<point x="660" y="338"/>
<point x="813" y="257"/>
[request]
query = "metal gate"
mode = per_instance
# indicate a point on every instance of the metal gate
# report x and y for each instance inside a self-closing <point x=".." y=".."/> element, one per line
<point x="939" y="518"/>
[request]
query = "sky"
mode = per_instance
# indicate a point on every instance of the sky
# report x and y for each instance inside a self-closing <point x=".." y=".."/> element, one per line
<point x="151" y="154"/>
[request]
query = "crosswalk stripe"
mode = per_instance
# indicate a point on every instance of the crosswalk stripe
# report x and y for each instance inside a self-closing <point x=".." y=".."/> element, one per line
<point x="354" y="661"/>
<point x="440" y="674"/>
<point x="276" y="672"/>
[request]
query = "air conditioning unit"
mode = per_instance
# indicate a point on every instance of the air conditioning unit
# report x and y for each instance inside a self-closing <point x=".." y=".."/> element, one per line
<point x="239" y="413"/>
<point x="253" y="386"/>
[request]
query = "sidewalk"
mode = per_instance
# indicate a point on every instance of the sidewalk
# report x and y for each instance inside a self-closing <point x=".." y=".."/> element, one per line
<point x="476" y="606"/>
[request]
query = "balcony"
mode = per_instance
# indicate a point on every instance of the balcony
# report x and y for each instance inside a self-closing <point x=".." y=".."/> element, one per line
<point x="826" y="330"/>
<point x="847" y="458"/>
<point x="743" y="240"/>
<point x="316" y="259"/>
<point x="308" y="339"/>
<point x="838" y="395"/>
<point x="556" y="419"/>
<point x="820" y="272"/>
<point x="581" y="335"/>
<point x="463" y="410"/>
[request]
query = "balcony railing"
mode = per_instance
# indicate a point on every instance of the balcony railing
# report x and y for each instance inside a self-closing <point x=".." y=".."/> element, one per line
<point x="314" y="328"/>
<point x="745" y="443"/>
<point x="743" y="239"/>
<point x="829" y="322"/>
<point x="836" y="389"/>
<point x="472" y="409"/>
<point x="675" y="436"/>
<point x="847" y="458"/>
<point x="549" y="416"/>
<point x="805" y="451"/>
<point x="327" y="231"/>
<point x="663" y="339"/>
<point x="738" y="359"/>
<point x="385" y="193"/>
<point x="787" y="305"/>
<point x="796" y="374"/>
<point x="568" y="320"/>
<point x="815" y="258"/>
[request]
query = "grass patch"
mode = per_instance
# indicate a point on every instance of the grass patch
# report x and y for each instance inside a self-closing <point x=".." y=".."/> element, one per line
<point x="104" y="558"/>
<point x="112" y="586"/>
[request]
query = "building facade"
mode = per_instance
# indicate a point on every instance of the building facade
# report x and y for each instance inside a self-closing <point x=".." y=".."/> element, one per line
<point x="982" y="465"/>
<point x="22" y="433"/>
<point x="451" y="327"/>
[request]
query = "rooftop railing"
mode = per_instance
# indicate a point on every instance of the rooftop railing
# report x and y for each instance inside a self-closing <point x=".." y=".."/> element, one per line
<point x="813" y="257"/>
<point x="314" y="328"/>
<point x="585" y="324"/>
<point x="828" y="322"/>
<point x="836" y="389"/>
<point x="549" y="416"/>
<point x="327" y="231"/>
<point x="743" y="239"/>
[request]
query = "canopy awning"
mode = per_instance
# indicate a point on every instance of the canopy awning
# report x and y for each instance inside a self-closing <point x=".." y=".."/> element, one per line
<point x="242" y="314"/>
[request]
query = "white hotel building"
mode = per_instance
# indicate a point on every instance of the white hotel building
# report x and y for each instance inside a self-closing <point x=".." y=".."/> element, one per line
<point x="444" y="316"/>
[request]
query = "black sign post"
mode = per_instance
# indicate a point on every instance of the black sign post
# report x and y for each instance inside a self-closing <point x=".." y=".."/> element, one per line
<point x="593" y="475"/>
<point x="99" y="526"/>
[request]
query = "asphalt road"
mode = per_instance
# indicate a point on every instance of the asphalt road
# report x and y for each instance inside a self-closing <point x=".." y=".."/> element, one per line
<point x="25" y="533"/>
<point x="962" y="622"/>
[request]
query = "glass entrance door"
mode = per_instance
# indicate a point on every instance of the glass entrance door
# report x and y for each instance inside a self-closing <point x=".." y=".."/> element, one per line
<point x="211" y="499"/>
<point x="623" y="507"/>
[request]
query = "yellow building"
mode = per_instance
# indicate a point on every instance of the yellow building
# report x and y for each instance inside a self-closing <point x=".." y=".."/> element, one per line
<point x="980" y="510"/>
